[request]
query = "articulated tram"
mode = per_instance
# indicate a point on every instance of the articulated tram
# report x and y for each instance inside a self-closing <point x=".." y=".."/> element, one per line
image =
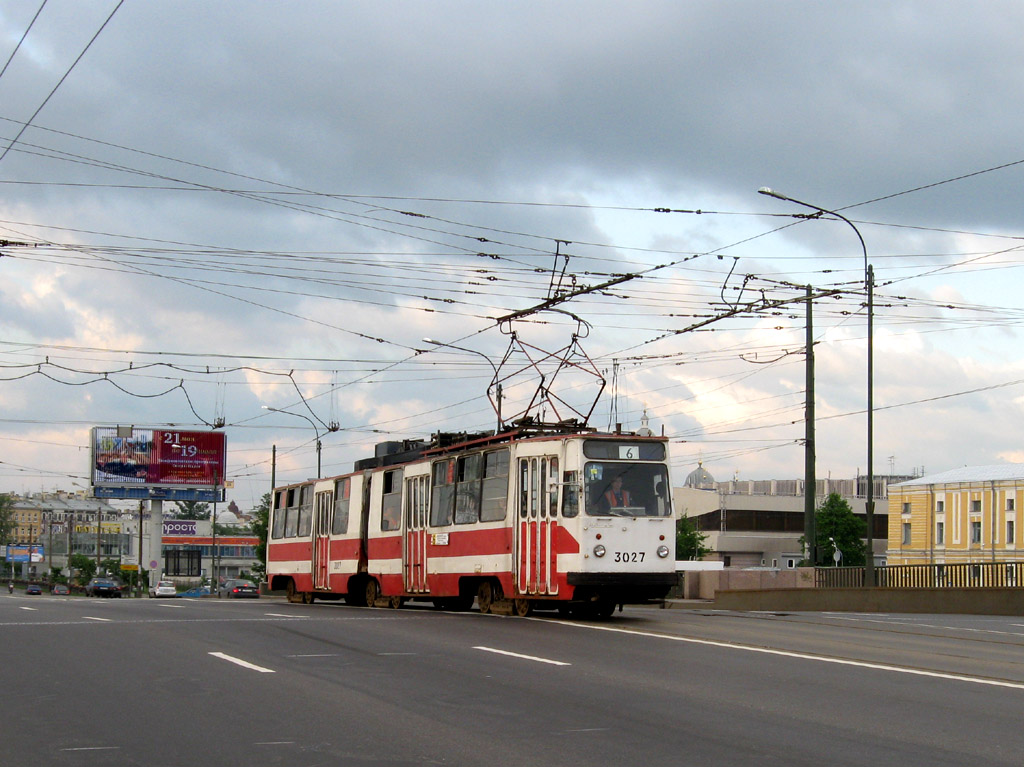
<point x="523" y="520"/>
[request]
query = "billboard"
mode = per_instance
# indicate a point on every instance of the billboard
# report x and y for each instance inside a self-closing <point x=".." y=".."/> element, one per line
<point x="152" y="458"/>
<point x="25" y="553"/>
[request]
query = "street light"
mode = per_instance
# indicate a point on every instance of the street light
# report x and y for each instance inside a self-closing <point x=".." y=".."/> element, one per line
<point x="869" y="286"/>
<point x="315" y="431"/>
<point x="501" y="425"/>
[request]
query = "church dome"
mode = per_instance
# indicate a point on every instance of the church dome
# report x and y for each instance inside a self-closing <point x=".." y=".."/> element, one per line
<point x="700" y="478"/>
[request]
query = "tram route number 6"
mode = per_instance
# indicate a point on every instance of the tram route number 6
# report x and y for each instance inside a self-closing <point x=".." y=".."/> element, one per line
<point x="629" y="452"/>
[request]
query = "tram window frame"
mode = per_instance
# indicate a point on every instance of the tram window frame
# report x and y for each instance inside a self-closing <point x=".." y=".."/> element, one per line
<point x="291" y="521"/>
<point x="342" y="504"/>
<point x="391" y="501"/>
<point x="305" y="526"/>
<point x="468" y="484"/>
<point x="277" y="527"/>
<point x="494" y="486"/>
<point x="442" y="492"/>
<point x="611" y="450"/>
<point x="570" y="494"/>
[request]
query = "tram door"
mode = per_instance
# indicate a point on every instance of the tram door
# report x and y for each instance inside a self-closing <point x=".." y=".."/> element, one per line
<point x="414" y="540"/>
<point x="323" y="509"/>
<point x="537" y="525"/>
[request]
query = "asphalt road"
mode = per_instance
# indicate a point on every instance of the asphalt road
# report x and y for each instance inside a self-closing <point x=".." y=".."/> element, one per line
<point x="264" y="682"/>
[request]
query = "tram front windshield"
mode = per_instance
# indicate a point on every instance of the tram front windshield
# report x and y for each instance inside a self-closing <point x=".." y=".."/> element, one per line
<point x="627" y="489"/>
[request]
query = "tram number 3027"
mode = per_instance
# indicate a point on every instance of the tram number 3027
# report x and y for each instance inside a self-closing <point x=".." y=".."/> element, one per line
<point x="629" y="556"/>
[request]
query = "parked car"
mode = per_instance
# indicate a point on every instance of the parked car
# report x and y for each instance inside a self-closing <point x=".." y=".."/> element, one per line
<point x="239" y="587"/>
<point x="33" y="588"/>
<point x="198" y="591"/>
<point x="103" y="587"/>
<point x="60" y="589"/>
<point x="164" y="589"/>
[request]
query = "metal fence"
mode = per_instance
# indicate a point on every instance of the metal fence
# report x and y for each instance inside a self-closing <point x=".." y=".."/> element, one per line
<point x="957" y="576"/>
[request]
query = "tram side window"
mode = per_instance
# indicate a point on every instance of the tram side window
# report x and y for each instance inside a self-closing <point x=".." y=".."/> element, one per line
<point x="442" y="496"/>
<point x="391" y="506"/>
<point x="279" y="514"/>
<point x="342" y="499"/>
<point x="495" y="486"/>
<point x="306" y="512"/>
<point x="570" y="494"/>
<point x="291" y="520"/>
<point x="467" y="489"/>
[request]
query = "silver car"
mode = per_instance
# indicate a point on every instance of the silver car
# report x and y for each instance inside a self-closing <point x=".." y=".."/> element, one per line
<point x="164" y="589"/>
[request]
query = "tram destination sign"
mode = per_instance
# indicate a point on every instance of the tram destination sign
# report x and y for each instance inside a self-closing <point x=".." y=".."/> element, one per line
<point x="156" y="463"/>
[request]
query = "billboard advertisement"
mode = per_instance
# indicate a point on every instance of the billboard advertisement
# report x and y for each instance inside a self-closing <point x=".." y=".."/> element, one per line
<point x="25" y="553"/>
<point x="157" y="458"/>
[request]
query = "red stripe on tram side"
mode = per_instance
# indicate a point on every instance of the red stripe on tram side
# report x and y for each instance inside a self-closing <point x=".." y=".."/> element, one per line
<point x="389" y="547"/>
<point x="295" y="550"/>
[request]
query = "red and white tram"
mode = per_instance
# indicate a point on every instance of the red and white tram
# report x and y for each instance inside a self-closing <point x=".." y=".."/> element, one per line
<point x="523" y="520"/>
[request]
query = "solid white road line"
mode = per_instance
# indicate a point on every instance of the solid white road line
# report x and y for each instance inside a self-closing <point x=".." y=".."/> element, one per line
<point x="806" y="656"/>
<point x="242" y="663"/>
<point x="524" y="657"/>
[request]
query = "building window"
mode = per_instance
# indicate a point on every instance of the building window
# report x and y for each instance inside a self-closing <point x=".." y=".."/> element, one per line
<point x="976" y="531"/>
<point x="940" y="534"/>
<point x="1009" y="532"/>
<point x="976" y="506"/>
<point x="940" y="506"/>
<point x="1009" y="504"/>
<point x="906" y="508"/>
<point x="906" y="533"/>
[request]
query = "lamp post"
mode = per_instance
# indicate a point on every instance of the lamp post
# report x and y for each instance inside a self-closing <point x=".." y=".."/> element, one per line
<point x="497" y="408"/>
<point x="869" y="286"/>
<point x="315" y="431"/>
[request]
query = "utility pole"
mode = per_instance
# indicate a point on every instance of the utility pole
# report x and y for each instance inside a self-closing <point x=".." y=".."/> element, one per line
<point x="810" y="481"/>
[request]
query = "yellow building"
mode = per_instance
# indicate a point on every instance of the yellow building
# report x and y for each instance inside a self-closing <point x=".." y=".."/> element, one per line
<point x="966" y="515"/>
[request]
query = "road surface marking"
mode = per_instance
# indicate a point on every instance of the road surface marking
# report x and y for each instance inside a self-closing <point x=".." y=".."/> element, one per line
<point x="176" y="607"/>
<point x="800" y="655"/>
<point x="242" y="663"/>
<point x="92" y="618"/>
<point x="524" y="657"/>
<point x="284" y="615"/>
<point x="33" y="609"/>
<point x="320" y="655"/>
<point x="93" y="748"/>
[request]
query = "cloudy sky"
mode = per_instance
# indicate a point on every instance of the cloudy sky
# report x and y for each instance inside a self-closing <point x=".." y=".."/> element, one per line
<point x="218" y="208"/>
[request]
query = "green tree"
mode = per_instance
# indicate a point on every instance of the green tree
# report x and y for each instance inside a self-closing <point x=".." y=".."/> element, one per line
<point x="6" y="518"/>
<point x="193" y="509"/>
<point x="690" y="540"/>
<point x="838" y="528"/>
<point x="86" y="567"/>
<point x="260" y="525"/>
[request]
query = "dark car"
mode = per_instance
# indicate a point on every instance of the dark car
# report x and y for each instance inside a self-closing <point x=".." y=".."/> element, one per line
<point x="33" y="588"/>
<point x="60" y="589"/>
<point x="103" y="587"/>
<point x="239" y="587"/>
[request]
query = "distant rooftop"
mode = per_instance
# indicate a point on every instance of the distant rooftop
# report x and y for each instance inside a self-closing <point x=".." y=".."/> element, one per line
<point x="999" y="472"/>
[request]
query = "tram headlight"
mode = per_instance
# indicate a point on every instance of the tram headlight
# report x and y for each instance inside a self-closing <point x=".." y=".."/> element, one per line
<point x="599" y="550"/>
<point x="663" y="551"/>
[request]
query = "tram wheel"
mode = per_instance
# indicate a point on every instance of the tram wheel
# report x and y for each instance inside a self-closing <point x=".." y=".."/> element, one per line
<point x="293" y="595"/>
<point x="308" y="597"/>
<point x="485" y="597"/>
<point x="371" y="592"/>
<point x="395" y="602"/>
<point x="523" y="607"/>
<point x="602" y="610"/>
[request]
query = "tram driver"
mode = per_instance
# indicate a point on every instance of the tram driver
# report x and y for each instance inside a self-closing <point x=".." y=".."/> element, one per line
<point x="615" y="497"/>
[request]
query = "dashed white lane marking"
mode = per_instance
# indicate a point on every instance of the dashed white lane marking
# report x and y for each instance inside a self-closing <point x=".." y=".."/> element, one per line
<point x="283" y="615"/>
<point x="93" y="748"/>
<point x="242" y="663"/>
<point x="93" y="618"/>
<point x="524" y="657"/>
<point x="805" y="656"/>
<point x="31" y="609"/>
